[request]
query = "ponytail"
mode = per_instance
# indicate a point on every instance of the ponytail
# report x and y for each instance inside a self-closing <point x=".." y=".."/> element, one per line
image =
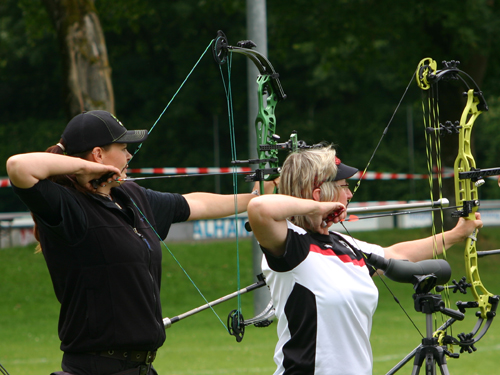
<point x="64" y="180"/>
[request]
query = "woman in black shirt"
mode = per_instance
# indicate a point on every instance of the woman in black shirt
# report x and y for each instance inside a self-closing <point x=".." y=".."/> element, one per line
<point x="101" y="242"/>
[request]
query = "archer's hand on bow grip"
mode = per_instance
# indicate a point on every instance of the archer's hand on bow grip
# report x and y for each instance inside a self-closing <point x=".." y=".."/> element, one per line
<point x="266" y="187"/>
<point x="466" y="227"/>
<point x="271" y="187"/>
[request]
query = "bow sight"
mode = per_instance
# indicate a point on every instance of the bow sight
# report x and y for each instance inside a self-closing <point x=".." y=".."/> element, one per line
<point x="265" y="174"/>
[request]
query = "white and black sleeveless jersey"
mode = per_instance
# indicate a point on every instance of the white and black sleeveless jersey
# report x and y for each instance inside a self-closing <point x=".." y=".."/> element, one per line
<point x="325" y="299"/>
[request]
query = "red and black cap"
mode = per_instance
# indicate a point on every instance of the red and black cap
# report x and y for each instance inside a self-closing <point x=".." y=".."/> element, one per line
<point x="344" y="171"/>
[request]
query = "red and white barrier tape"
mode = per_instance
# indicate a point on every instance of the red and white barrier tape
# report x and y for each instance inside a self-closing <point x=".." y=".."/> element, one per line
<point x="396" y="176"/>
<point x="367" y="176"/>
<point x="189" y="170"/>
<point x="4" y="182"/>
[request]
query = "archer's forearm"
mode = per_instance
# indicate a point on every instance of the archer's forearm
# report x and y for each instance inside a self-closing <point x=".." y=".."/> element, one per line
<point x="214" y="206"/>
<point x="279" y="207"/>
<point x="25" y="170"/>
<point x="424" y="248"/>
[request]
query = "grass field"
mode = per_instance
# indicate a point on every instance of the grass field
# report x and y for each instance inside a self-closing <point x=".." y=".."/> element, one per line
<point x="200" y="345"/>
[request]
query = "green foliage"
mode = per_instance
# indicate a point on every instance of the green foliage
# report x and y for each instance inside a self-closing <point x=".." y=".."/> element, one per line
<point x="38" y="25"/>
<point x="159" y="48"/>
<point x="30" y="79"/>
<point x="343" y="64"/>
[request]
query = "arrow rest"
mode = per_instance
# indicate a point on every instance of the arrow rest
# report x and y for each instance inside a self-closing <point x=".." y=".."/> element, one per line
<point x="467" y="209"/>
<point x="264" y="174"/>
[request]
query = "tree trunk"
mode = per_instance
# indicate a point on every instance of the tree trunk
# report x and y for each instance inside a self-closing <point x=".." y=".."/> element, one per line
<point x="86" y="70"/>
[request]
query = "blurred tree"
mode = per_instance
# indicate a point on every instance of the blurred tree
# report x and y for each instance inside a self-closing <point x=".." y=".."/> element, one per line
<point x="352" y="60"/>
<point x="84" y="56"/>
<point x="343" y="64"/>
<point x="29" y="73"/>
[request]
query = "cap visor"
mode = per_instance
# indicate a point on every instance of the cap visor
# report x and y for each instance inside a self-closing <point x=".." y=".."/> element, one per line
<point x="133" y="136"/>
<point x="344" y="172"/>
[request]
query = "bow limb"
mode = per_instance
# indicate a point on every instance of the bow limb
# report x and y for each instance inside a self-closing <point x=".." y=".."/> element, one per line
<point x="466" y="193"/>
<point x="269" y="93"/>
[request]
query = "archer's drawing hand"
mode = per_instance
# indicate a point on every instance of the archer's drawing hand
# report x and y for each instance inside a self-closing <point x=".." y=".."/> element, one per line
<point x="331" y="213"/>
<point x="94" y="171"/>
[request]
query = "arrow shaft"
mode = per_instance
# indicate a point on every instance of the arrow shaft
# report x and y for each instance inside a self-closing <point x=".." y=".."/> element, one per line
<point x="180" y="175"/>
<point x="396" y="207"/>
<point x="402" y="213"/>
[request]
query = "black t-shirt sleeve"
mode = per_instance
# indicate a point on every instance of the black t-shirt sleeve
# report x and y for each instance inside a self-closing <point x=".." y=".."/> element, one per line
<point x="168" y="208"/>
<point x="55" y="208"/>
<point x="296" y="250"/>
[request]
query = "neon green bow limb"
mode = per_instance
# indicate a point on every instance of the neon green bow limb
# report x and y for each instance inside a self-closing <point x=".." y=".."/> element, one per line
<point x="467" y="179"/>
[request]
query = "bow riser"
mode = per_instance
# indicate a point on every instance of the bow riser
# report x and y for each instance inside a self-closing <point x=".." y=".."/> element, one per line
<point x="265" y="126"/>
<point x="466" y="191"/>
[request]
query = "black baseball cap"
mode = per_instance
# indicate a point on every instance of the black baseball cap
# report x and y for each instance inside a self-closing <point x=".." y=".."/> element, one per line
<point x="344" y="171"/>
<point x="95" y="129"/>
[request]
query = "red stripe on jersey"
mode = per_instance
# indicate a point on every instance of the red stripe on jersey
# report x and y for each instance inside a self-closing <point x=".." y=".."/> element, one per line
<point x="344" y="258"/>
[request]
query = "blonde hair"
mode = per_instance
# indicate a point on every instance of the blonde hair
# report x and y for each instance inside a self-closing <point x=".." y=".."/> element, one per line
<point x="308" y="169"/>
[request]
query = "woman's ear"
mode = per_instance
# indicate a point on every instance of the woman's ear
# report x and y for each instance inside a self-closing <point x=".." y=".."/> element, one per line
<point x="96" y="155"/>
<point x="316" y="194"/>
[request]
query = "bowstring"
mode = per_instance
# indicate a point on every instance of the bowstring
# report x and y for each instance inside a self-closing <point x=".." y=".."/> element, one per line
<point x="177" y="261"/>
<point x="358" y="183"/>
<point x="228" y="92"/>
<point x="383" y="281"/>
<point x="356" y="187"/>
<point x="431" y="120"/>
<point x="229" y="98"/>
<point x="142" y="214"/>
<point x="174" y="96"/>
